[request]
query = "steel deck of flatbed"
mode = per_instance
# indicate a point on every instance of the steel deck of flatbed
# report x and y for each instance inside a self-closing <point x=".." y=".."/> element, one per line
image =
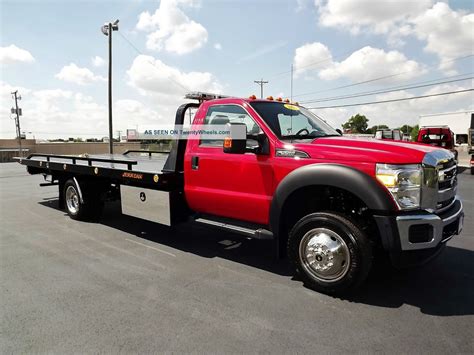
<point x="142" y="168"/>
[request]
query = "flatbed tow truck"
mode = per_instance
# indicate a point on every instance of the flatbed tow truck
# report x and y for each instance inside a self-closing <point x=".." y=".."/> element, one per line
<point x="328" y="203"/>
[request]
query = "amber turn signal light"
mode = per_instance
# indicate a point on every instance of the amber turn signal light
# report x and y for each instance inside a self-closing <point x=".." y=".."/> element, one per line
<point x="227" y="142"/>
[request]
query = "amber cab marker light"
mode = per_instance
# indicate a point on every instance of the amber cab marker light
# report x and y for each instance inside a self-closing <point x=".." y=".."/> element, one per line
<point x="287" y="101"/>
<point x="252" y="97"/>
<point x="227" y="142"/>
<point x="270" y="98"/>
<point x="279" y="99"/>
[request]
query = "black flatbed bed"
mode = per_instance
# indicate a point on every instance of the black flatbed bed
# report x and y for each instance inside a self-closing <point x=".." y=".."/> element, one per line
<point x="137" y="168"/>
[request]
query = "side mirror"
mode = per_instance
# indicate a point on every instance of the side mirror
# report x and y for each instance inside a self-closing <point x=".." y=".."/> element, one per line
<point x="339" y="131"/>
<point x="236" y="141"/>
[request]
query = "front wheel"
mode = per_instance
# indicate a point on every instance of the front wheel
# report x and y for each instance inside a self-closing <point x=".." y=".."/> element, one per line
<point x="330" y="253"/>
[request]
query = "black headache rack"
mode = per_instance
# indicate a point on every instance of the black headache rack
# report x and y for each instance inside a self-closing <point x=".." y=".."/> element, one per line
<point x="144" y="151"/>
<point x="119" y="169"/>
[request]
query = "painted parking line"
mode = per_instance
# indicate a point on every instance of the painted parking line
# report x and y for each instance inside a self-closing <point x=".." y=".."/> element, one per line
<point x="150" y="247"/>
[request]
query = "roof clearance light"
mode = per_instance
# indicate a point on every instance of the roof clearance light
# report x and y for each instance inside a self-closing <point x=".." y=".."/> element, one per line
<point x="252" y="97"/>
<point x="279" y="99"/>
<point x="287" y="101"/>
<point x="270" y="98"/>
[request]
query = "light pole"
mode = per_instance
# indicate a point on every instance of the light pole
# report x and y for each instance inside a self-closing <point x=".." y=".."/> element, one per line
<point x="107" y="30"/>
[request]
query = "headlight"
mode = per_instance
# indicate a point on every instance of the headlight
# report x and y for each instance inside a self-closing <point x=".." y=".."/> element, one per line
<point x="403" y="182"/>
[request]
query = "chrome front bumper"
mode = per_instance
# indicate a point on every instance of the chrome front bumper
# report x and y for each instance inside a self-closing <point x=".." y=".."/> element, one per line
<point x="427" y="230"/>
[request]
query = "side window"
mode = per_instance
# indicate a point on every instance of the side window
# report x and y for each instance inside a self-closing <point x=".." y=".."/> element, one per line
<point x="223" y="114"/>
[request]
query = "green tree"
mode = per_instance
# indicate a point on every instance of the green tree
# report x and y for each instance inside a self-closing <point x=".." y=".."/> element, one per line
<point x="356" y="124"/>
<point x="406" y="129"/>
<point x="414" y="132"/>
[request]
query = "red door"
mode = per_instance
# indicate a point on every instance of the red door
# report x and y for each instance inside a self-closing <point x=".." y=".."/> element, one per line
<point x="237" y="186"/>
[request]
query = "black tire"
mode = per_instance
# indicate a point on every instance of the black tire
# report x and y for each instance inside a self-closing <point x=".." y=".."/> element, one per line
<point x="90" y="209"/>
<point x="472" y="170"/>
<point x="355" y="260"/>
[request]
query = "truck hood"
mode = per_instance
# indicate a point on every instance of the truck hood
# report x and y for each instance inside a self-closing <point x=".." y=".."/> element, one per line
<point x="365" y="150"/>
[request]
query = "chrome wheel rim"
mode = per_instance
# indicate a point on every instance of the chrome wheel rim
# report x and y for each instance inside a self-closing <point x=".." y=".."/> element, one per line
<point x="72" y="200"/>
<point x="324" y="255"/>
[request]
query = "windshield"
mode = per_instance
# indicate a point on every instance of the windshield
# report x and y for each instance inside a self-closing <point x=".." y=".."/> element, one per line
<point x="292" y="122"/>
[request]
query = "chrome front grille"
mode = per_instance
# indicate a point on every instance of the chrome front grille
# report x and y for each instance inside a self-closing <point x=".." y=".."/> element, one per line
<point x="447" y="186"/>
<point x="439" y="181"/>
<point x="447" y="178"/>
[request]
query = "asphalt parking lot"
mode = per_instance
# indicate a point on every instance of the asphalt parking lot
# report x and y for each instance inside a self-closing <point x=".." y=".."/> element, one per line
<point x="125" y="285"/>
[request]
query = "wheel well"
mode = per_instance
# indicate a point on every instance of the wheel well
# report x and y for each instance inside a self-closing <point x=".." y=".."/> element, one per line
<point x="89" y="185"/>
<point x="310" y="199"/>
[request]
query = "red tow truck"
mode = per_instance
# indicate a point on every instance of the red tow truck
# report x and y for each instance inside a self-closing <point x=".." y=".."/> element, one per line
<point x="327" y="202"/>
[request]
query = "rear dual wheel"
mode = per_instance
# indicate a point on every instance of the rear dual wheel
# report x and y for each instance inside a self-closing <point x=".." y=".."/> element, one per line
<point x="329" y="252"/>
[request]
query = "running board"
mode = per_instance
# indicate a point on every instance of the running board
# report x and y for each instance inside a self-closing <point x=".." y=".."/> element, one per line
<point x="260" y="233"/>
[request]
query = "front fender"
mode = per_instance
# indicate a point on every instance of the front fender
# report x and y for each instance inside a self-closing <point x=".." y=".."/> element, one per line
<point x="363" y="186"/>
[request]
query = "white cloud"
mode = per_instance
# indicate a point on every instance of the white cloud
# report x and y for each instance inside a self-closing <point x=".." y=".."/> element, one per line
<point x="368" y="63"/>
<point x="364" y="64"/>
<point x="448" y="34"/>
<point x="218" y="46"/>
<point x="81" y="76"/>
<point x="152" y="76"/>
<point x="311" y="56"/>
<point x="171" y="29"/>
<point x="376" y="16"/>
<point x="98" y="61"/>
<point x="12" y="54"/>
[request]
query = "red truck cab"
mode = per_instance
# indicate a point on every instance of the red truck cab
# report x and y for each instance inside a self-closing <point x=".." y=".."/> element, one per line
<point x="298" y="177"/>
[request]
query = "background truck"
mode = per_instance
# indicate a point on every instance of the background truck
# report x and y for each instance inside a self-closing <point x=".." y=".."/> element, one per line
<point x="328" y="203"/>
<point x="438" y="136"/>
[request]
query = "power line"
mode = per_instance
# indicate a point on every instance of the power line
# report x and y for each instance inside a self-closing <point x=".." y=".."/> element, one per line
<point x="392" y="89"/>
<point x="392" y="100"/>
<point x="374" y="79"/>
<point x="153" y="63"/>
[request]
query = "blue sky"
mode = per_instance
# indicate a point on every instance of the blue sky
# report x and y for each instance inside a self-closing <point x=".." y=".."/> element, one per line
<point x="48" y="47"/>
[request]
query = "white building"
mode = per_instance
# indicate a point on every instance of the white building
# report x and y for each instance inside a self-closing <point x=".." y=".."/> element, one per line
<point x="458" y="122"/>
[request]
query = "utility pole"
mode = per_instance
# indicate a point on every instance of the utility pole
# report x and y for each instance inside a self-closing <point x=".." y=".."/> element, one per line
<point x="107" y="30"/>
<point x="18" y="113"/>
<point x="261" y="83"/>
